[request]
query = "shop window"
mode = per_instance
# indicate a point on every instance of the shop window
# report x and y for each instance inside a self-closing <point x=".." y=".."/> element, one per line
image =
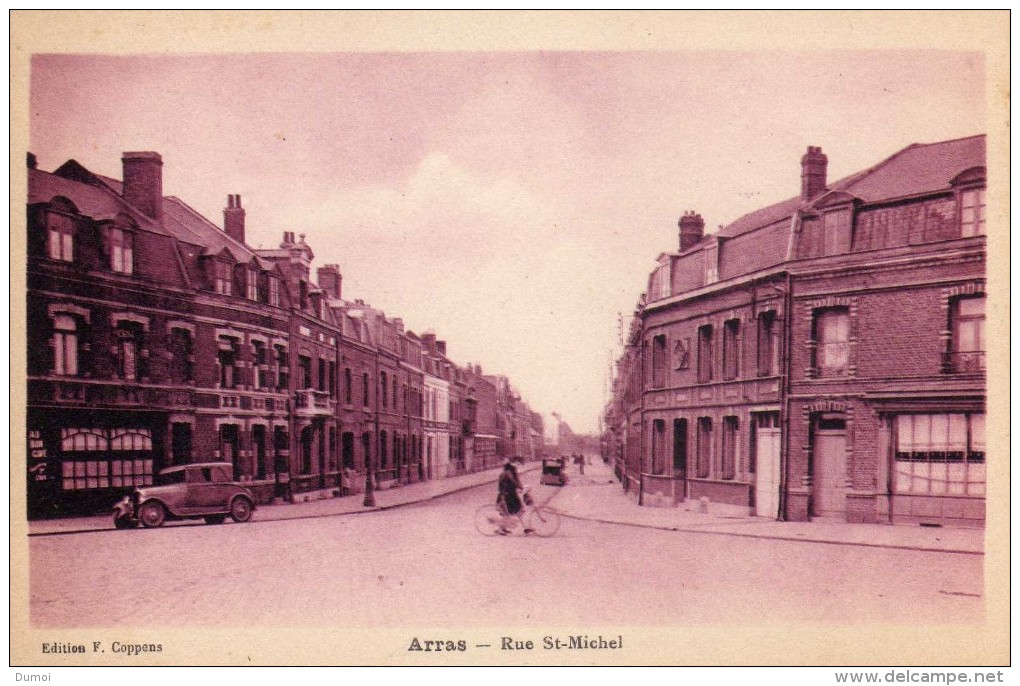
<point x="731" y="349"/>
<point x="704" y="447"/>
<point x="767" y="343"/>
<point x="705" y="361"/>
<point x="968" y="339"/>
<point x="832" y="341"/>
<point x="940" y="454"/>
<point x="65" y="346"/>
<point x="972" y="212"/>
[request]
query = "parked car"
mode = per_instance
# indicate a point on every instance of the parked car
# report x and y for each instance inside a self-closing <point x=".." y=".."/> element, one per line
<point x="553" y="472"/>
<point x="194" y="491"/>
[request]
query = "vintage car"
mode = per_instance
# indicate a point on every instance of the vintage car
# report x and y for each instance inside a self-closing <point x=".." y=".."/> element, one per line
<point x="553" y="472"/>
<point x="194" y="491"/>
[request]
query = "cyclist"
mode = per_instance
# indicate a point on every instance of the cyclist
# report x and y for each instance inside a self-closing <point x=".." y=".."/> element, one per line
<point x="508" y="500"/>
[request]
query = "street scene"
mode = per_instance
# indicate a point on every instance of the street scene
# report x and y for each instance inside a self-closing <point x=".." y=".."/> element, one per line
<point x="711" y="570"/>
<point x="364" y="340"/>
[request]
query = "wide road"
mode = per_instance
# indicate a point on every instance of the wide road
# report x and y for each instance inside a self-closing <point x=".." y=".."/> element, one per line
<point x="427" y="565"/>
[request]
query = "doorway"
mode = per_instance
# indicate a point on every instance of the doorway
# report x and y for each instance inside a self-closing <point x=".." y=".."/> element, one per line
<point x="828" y="464"/>
<point x="766" y="461"/>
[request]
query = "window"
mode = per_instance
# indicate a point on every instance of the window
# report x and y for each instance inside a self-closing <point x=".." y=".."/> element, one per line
<point x="121" y="250"/>
<point x="731" y="349"/>
<point x="252" y="281"/>
<point x="704" y="447"/>
<point x="940" y="454"/>
<point x="348" y="382"/>
<point x="260" y="373"/>
<point x="227" y="358"/>
<point x="332" y="379"/>
<point x="124" y="471"/>
<point x="384" y="393"/>
<point x="832" y="339"/>
<point x="660" y="286"/>
<point x="364" y="389"/>
<point x="712" y="262"/>
<point x="972" y="212"/>
<point x="59" y="237"/>
<point x="395" y="393"/>
<point x="658" y="361"/>
<point x="658" y="446"/>
<point x="181" y="355"/>
<point x="282" y="368"/>
<point x="729" y="447"/>
<point x="127" y="352"/>
<point x="968" y="342"/>
<point x="224" y="279"/>
<point x="705" y="353"/>
<point x="274" y="291"/>
<point x="65" y="346"/>
<point x="305" y="365"/>
<point x="383" y="454"/>
<point x="322" y="375"/>
<point x="767" y="344"/>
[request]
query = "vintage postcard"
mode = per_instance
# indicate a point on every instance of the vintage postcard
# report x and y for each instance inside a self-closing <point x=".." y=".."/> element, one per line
<point x="568" y="338"/>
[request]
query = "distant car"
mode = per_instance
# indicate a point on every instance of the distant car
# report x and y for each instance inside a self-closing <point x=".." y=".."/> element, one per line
<point x="553" y="473"/>
<point x="194" y="491"/>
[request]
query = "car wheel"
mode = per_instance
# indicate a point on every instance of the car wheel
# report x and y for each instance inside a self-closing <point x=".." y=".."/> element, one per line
<point x="240" y="509"/>
<point x="152" y="514"/>
<point x="215" y="519"/>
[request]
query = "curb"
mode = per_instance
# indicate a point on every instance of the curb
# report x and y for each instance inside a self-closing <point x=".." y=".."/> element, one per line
<point x="737" y="534"/>
<point x="367" y="510"/>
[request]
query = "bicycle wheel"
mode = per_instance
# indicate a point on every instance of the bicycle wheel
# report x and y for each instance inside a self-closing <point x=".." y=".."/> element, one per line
<point x="542" y="522"/>
<point x="488" y="520"/>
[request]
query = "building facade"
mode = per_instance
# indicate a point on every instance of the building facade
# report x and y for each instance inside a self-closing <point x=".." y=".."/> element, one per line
<point x="822" y="357"/>
<point x="157" y="338"/>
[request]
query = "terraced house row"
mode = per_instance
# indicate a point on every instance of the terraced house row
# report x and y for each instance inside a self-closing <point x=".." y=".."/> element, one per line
<point x="157" y="338"/>
<point x="823" y="357"/>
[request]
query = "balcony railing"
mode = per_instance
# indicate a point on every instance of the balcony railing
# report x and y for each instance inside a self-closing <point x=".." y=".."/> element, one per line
<point x="971" y="361"/>
<point x="309" y="402"/>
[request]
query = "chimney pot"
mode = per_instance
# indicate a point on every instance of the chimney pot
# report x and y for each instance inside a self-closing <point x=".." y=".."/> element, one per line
<point x="692" y="229"/>
<point x="813" y="169"/>
<point x="233" y="218"/>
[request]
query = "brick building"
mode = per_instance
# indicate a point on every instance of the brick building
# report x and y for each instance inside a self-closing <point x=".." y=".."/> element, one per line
<point x="157" y="338"/>
<point x="824" y="356"/>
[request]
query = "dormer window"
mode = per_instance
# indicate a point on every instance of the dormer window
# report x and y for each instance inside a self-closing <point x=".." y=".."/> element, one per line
<point x="223" y="280"/>
<point x="59" y="237"/>
<point x="252" y="279"/>
<point x="712" y="262"/>
<point x="972" y="212"/>
<point x="121" y="250"/>
<point x="274" y="291"/>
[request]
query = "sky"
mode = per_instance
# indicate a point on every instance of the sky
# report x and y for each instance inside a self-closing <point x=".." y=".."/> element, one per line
<point x="512" y="202"/>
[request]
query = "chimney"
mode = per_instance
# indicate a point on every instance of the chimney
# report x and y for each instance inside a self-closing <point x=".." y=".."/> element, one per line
<point x="399" y="323"/>
<point x="288" y="239"/>
<point x="330" y="280"/>
<point x="429" y="339"/>
<point x="32" y="162"/>
<point x="812" y="173"/>
<point x="233" y="218"/>
<point x="692" y="229"/>
<point x="441" y="347"/>
<point x="143" y="182"/>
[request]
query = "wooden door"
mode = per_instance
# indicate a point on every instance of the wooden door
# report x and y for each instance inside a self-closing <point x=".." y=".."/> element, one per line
<point x="829" y="453"/>
<point x="767" y="447"/>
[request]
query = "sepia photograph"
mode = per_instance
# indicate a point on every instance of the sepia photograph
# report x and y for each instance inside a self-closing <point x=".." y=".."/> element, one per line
<point x="522" y="338"/>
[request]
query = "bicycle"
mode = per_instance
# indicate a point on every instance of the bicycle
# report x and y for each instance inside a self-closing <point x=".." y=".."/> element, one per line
<point x="491" y="520"/>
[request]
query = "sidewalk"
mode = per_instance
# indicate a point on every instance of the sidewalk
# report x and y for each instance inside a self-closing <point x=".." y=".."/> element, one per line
<point x="349" y="505"/>
<point x="598" y="496"/>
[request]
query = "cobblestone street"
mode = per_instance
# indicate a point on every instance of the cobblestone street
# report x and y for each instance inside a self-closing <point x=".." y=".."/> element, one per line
<point x="426" y="564"/>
